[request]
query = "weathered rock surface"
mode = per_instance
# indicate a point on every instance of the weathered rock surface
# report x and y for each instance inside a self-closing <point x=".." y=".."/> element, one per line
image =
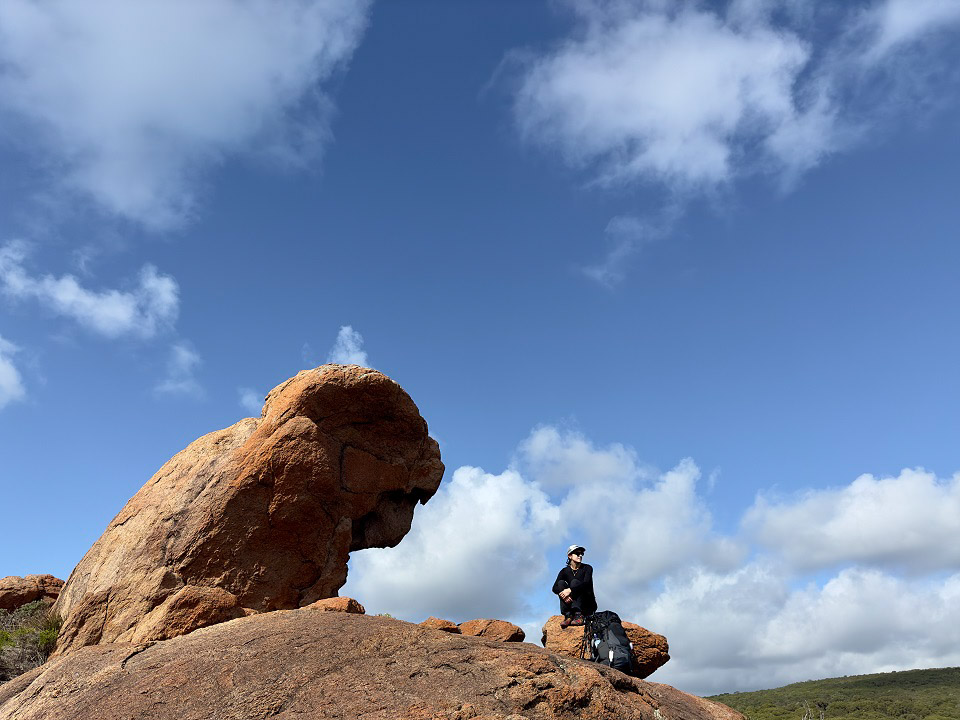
<point x="259" y="516"/>
<point x="435" y="623"/>
<point x="339" y="604"/>
<point x="650" y="649"/>
<point x="499" y="630"/>
<point x="16" y="591"/>
<point x="307" y="664"/>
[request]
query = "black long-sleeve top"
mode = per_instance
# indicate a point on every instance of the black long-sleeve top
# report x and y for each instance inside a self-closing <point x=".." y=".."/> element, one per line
<point x="580" y="584"/>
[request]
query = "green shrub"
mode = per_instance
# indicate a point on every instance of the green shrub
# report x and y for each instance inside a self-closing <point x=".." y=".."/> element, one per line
<point x="27" y="637"/>
<point x="909" y="695"/>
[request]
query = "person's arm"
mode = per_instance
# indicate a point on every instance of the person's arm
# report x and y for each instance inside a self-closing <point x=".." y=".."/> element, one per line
<point x="560" y="584"/>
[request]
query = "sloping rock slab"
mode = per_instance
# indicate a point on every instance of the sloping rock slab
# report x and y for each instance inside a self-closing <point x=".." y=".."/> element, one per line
<point x="308" y="664"/>
<point x="650" y="650"/>
<point x="16" y="591"/>
<point x="260" y="516"/>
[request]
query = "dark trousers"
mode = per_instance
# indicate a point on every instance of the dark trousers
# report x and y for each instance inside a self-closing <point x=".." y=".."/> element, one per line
<point x="572" y="609"/>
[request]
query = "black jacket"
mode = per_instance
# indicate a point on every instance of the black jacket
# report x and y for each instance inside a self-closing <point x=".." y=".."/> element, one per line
<point x="581" y="587"/>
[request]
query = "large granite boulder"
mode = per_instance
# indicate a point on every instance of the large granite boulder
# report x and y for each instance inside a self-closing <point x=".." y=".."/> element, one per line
<point x="260" y="516"/>
<point x="312" y="664"/>
<point x="650" y="650"/>
<point x="493" y="630"/>
<point x="16" y="591"/>
<point x="435" y="623"/>
<point x="338" y="604"/>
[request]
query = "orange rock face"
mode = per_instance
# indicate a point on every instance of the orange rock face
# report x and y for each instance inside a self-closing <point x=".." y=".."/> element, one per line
<point x="339" y="604"/>
<point x="493" y="630"/>
<point x="189" y="608"/>
<point x="260" y="516"/>
<point x="307" y="664"/>
<point x="649" y="649"/>
<point x="16" y="591"/>
<point x="435" y="623"/>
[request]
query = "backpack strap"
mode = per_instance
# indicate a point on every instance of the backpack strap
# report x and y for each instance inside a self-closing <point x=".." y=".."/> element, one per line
<point x="586" y="652"/>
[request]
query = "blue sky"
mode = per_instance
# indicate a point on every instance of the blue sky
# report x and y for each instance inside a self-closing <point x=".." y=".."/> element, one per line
<point x="674" y="280"/>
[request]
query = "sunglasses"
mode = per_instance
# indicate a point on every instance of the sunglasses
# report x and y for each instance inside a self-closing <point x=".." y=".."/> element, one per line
<point x="578" y="554"/>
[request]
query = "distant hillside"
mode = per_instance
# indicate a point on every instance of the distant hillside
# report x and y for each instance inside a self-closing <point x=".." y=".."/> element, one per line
<point x="910" y="695"/>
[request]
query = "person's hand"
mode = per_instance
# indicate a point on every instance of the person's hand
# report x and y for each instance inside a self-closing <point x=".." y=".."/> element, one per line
<point x="565" y="595"/>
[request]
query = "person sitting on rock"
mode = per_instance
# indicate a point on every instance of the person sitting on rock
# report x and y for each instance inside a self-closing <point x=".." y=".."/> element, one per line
<point x="574" y="585"/>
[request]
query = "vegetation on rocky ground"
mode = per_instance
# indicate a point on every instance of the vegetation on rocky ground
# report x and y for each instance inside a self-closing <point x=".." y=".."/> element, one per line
<point x="909" y="695"/>
<point x="27" y="637"/>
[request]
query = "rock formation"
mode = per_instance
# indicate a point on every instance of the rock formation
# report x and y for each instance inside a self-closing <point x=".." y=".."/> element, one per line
<point x="309" y="664"/>
<point x="493" y="630"/>
<point x="649" y="649"/>
<point x="339" y="604"/>
<point x="16" y="591"/>
<point x="260" y="516"/>
<point x="435" y="623"/>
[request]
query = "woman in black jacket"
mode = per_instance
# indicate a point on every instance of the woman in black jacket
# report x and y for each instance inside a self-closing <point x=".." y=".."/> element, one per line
<point x="574" y="585"/>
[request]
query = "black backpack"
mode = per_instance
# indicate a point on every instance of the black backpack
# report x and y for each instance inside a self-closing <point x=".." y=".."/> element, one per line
<point x="606" y="641"/>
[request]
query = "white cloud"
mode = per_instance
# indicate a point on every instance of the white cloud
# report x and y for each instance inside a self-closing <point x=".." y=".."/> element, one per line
<point x="634" y="521"/>
<point x="660" y="522"/>
<point x="251" y="400"/>
<point x="896" y="23"/>
<point x="143" y="311"/>
<point x="909" y="523"/>
<point x="626" y="235"/>
<point x="132" y="101"/>
<point x="711" y="621"/>
<point x="348" y="349"/>
<point x="475" y="550"/>
<point x="180" y="378"/>
<point x="562" y="460"/>
<point x="748" y="629"/>
<point x="11" y="383"/>
<point x="735" y="618"/>
<point x="672" y="97"/>
<point x="692" y="96"/>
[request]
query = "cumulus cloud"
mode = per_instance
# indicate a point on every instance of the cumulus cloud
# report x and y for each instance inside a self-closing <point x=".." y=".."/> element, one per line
<point x="738" y="615"/>
<point x="251" y="400"/>
<point x="560" y="489"/>
<point x="659" y="95"/>
<point x="563" y="460"/>
<point x="149" y="307"/>
<point x="475" y="550"/>
<point x="692" y="96"/>
<point x="348" y="349"/>
<point x="749" y="629"/>
<point x="11" y="383"/>
<point x="908" y="523"/>
<point x="667" y="524"/>
<point x="132" y="101"/>
<point x="180" y="379"/>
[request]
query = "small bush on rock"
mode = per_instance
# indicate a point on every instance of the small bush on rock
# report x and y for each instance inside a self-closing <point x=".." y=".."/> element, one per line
<point x="27" y="637"/>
